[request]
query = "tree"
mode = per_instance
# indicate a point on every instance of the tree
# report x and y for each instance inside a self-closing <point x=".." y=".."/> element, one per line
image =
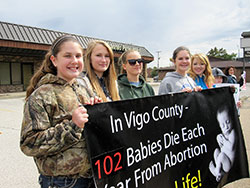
<point x="221" y="53"/>
<point x="154" y="72"/>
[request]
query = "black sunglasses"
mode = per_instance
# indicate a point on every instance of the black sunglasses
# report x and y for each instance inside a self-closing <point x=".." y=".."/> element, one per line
<point x="132" y="62"/>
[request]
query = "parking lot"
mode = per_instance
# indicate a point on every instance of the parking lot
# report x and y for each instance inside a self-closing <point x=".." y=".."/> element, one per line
<point x="17" y="170"/>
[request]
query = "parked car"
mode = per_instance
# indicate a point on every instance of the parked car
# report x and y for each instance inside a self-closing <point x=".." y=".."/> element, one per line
<point x="156" y="78"/>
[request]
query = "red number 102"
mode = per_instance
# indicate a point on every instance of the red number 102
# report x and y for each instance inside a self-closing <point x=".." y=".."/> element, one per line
<point x="110" y="160"/>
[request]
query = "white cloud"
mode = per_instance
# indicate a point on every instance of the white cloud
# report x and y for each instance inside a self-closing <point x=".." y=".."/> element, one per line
<point x="158" y="25"/>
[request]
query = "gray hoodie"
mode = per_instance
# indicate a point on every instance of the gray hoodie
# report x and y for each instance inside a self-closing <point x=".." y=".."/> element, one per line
<point x="173" y="82"/>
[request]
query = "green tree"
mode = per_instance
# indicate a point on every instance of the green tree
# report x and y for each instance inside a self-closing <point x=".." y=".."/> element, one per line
<point x="154" y="72"/>
<point x="221" y="53"/>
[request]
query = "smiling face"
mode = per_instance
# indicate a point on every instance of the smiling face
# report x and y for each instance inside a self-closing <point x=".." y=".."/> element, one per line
<point x="224" y="122"/>
<point x="231" y="71"/>
<point x="100" y="59"/>
<point x="68" y="61"/>
<point x="182" y="62"/>
<point x="133" y="70"/>
<point x="198" y="66"/>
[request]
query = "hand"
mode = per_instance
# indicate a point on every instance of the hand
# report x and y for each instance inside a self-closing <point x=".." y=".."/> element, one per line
<point x="94" y="100"/>
<point x="232" y="88"/>
<point x="197" y="88"/>
<point x="220" y="140"/>
<point x="239" y="104"/>
<point x="80" y="116"/>
<point x="187" y="89"/>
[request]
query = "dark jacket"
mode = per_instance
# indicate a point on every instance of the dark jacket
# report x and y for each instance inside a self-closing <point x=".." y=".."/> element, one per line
<point x="231" y="79"/>
<point x="128" y="91"/>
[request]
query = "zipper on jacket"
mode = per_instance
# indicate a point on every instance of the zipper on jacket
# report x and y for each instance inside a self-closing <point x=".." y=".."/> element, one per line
<point x="77" y="96"/>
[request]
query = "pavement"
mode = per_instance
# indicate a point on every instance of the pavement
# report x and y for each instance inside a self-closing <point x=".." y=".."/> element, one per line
<point x="12" y="95"/>
<point x="19" y="171"/>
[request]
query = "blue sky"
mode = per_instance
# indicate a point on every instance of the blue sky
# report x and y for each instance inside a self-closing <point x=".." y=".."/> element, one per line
<point x="158" y="25"/>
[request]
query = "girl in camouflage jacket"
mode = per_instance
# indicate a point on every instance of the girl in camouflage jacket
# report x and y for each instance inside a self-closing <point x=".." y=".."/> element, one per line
<point x="54" y="118"/>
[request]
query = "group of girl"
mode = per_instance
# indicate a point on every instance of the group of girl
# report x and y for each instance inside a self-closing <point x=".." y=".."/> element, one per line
<point x="54" y="113"/>
<point x="194" y="73"/>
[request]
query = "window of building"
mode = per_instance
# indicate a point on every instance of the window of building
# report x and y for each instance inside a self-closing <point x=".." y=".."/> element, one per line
<point x="10" y="73"/>
<point x="16" y="73"/>
<point x="4" y="73"/>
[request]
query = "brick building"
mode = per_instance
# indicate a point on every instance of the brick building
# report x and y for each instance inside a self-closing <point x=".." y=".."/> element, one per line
<point x="22" y="49"/>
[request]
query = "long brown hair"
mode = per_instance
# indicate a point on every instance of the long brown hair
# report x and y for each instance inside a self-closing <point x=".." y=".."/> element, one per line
<point x="109" y="75"/>
<point x="209" y="78"/>
<point x="47" y="66"/>
<point x="227" y="70"/>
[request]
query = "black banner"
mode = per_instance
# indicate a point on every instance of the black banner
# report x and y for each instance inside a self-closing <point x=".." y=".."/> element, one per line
<point x="184" y="140"/>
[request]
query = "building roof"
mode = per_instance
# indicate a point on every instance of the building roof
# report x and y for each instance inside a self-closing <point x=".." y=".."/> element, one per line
<point x="28" y="34"/>
<point x="246" y="34"/>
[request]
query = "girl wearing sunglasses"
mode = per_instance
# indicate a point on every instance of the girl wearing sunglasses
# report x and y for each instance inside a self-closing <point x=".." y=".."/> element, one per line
<point x="130" y="83"/>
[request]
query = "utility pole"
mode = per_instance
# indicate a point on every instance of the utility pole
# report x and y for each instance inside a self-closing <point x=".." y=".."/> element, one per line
<point x="244" y="57"/>
<point x="158" y="63"/>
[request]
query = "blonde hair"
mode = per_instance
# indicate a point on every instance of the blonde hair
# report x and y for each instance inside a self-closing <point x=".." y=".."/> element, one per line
<point x="47" y="66"/>
<point x="209" y="78"/>
<point x="109" y="75"/>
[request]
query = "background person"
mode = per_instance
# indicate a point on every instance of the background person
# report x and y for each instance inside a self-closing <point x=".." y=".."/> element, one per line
<point x="100" y="71"/>
<point x="200" y="71"/>
<point x="131" y="84"/>
<point x="178" y="81"/>
<point x="229" y="72"/>
<point x="242" y="78"/>
<point x="219" y="76"/>
<point x="54" y="118"/>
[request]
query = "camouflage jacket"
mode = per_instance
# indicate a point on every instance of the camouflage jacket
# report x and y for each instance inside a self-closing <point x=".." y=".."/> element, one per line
<point x="48" y="133"/>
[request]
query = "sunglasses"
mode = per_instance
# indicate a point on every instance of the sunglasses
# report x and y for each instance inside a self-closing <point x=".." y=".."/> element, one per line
<point x="132" y="62"/>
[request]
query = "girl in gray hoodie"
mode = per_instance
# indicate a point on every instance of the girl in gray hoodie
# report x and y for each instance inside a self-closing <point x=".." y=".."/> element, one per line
<point x="179" y="81"/>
